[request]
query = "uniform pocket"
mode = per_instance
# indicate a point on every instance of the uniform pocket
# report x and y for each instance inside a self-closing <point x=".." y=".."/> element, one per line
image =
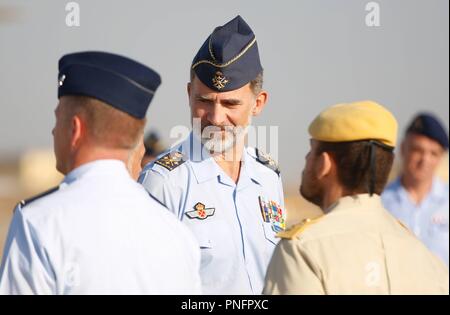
<point x="209" y="232"/>
<point x="216" y="248"/>
<point x="204" y="241"/>
<point x="269" y="233"/>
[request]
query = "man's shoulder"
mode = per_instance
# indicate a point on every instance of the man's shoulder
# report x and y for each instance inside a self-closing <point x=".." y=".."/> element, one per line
<point x="65" y="197"/>
<point x="171" y="163"/>
<point x="391" y="192"/>
<point x="297" y="230"/>
<point x="41" y="206"/>
<point x="329" y="227"/>
<point x="26" y="202"/>
<point x="305" y="237"/>
<point x="314" y="230"/>
<point x="441" y="188"/>
<point x="264" y="161"/>
<point x="393" y="186"/>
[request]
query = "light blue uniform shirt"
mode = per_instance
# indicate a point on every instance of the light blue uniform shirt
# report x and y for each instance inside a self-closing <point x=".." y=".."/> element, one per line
<point x="428" y="220"/>
<point x="99" y="233"/>
<point x="236" y="243"/>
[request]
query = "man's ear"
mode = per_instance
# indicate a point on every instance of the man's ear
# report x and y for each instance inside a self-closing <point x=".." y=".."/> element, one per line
<point x="260" y="102"/>
<point x="324" y="165"/>
<point x="188" y="87"/>
<point x="78" y="131"/>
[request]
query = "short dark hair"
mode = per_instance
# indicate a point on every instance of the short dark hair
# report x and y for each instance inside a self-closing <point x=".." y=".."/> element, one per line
<point x="106" y="125"/>
<point x="256" y="84"/>
<point x="353" y="163"/>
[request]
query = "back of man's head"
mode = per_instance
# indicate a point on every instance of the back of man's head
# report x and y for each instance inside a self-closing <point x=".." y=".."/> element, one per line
<point x="105" y="126"/>
<point x="354" y="164"/>
<point x="360" y="138"/>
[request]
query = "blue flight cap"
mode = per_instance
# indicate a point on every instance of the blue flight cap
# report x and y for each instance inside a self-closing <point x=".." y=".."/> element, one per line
<point x="428" y="125"/>
<point x="123" y="83"/>
<point x="229" y="57"/>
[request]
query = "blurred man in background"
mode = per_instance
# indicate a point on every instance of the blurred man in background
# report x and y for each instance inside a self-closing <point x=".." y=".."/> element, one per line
<point x="99" y="232"/>
<point x="357" y="247"/>
<point x="152" y="147"/>
<point x="417" y="197"/>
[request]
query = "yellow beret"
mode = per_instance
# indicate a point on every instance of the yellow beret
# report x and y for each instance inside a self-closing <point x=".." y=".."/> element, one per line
<point x="365" y="120"/>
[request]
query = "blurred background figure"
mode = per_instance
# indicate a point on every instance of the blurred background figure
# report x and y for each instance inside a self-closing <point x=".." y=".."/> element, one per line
<point x="153" y="147"/>
<point x="134" y="163"/>
<point x="418" y="197"/>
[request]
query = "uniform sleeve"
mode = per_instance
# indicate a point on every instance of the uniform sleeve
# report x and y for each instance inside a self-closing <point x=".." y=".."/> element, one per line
<point x="280" y="192"/>
<point x="292" y="271"/>
<point x="24" y="268"/>
<point x="159" y="187"/>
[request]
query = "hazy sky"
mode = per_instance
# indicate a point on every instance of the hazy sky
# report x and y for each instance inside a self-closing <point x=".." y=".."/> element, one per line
<point x="315" y="53"/>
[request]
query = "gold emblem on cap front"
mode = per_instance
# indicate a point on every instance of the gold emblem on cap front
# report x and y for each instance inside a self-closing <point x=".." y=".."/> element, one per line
<point x="219" y="81"/>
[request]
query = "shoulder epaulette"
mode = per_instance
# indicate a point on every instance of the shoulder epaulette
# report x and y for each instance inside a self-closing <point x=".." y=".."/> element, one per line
<point x="266" y="160"/>
<point x="297" y="229"/>
<point x="403" y="225"/>
<point x="25" y="202"/>
<point x="171" y="160"/>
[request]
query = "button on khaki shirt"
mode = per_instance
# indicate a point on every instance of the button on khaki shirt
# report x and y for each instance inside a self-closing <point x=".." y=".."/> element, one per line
<point x="357" y="248"/>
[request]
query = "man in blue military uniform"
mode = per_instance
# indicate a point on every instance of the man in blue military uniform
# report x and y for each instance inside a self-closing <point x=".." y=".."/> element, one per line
<point x="229" y="196"/>
<point x="99" y="232"/>
<point x="153" y="147"/>
<point x="417" y="197"/>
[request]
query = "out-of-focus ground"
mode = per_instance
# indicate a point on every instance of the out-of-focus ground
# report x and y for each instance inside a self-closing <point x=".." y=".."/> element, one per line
<point x="35" y="172"/>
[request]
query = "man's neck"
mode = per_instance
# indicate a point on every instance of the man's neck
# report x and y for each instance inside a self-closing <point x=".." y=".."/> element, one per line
<point x="417" y="189"/>
<point x="86" y="155"/>
<point x="230" y="161"/>
<point x="332" y="195"/>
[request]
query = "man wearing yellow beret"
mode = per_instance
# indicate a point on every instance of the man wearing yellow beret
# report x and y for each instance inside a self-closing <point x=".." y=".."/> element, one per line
<point x="357" y="247"/>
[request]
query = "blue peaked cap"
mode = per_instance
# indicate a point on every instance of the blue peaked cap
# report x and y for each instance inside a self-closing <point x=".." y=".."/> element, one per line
<point x="121" y="82"/>
<point x="229" y="58"/>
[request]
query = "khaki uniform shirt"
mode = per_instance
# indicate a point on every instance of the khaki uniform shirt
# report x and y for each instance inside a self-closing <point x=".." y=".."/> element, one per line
<point x="357" y="248"/>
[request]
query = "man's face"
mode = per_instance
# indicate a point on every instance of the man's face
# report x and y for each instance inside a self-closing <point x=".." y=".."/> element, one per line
<point x="224" y="116"/>
<point x="312" y="188"/>
<point x="421" y="156"/>
<point x="62" y="136"/>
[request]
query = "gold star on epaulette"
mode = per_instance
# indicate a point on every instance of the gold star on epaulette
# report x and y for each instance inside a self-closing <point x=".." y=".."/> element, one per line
<point x="171" y="160"/>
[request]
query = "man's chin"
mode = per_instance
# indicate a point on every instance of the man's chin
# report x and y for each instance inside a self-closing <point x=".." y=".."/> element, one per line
<point x="302" y="193"/>
<point x="316" y="200"/>
<point x="61" y="170"/>
<point x="423" y="177"/>
<point x="216" y="148"/>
